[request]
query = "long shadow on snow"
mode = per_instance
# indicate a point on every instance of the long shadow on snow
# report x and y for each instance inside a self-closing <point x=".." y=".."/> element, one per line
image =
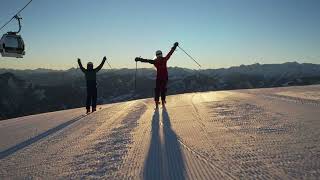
<point x="13" y="149"/>
<point x="164" y="161"/>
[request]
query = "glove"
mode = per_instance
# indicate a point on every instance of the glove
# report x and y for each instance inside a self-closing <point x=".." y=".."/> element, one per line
<point x="104" y="58"/>
<point x="175" y="44"/>
<point x="137" y="59"/>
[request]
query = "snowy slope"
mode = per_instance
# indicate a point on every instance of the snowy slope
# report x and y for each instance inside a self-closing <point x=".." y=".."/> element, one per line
<point x="244" y="134"/>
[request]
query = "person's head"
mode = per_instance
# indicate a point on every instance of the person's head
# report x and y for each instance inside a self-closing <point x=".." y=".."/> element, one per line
<point x="159" y="54"/>
<point x="90" y="66"/>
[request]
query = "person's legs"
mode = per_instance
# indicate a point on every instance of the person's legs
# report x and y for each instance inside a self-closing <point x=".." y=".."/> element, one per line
<point x="163" y="91"/>
<point x="88" y="103"/>
<point x="94" y="99"/>
<point x="157" y="91"/>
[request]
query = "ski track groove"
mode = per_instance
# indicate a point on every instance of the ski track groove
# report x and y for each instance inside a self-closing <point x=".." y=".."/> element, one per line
<point x="203" y="127"/>
<point x="127" y="119"/>
<point x="201" y="170"/>
<point x="195" y="170"/>
<point x="135" y="155"/>
<point x="135" y="158"/>
<point x="54" y="138"/>
<point x="293" y="99"/>
<point x="246" y="155"/>
<point x="286" y="129"/>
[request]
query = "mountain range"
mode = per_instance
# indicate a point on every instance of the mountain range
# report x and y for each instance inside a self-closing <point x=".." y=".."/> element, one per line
<point x="25" y="92"/>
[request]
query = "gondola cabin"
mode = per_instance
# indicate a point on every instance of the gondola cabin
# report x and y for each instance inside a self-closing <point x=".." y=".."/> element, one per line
<point x="12" y="45"/>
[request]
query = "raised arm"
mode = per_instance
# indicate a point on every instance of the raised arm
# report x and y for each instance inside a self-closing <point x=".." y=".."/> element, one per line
<point x="144" y="60"/>
<point x="171" y="51"/>
<point x="101" y="65"/>
<point x="80" y="65"/>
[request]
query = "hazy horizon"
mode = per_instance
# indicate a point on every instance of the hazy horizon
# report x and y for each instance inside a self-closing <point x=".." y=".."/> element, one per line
<point x="151" y="67"/>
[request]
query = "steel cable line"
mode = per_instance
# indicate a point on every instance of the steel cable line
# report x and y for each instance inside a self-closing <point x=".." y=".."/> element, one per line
<point x="15" y="15"/>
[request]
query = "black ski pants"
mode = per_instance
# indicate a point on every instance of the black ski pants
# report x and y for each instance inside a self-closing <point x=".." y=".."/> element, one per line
<point x="91" y="97"/>
<point x="160" y="90"/>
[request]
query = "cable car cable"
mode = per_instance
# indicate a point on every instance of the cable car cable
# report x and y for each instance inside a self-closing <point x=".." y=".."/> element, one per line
<point x="16" y="15"/>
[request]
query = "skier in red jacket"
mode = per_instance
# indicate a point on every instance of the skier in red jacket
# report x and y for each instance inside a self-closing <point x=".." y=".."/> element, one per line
<point x="162" y="73"/>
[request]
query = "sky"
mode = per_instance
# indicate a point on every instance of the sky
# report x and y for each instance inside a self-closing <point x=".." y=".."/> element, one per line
<point x="217" y="33"/>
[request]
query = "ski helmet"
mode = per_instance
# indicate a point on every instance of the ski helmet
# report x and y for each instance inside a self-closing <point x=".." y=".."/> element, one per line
<point x="90" y="65"/>
<point x="159" y="53"/>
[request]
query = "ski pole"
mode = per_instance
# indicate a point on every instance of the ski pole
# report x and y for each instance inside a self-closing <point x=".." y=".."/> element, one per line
<point x="190" y="57"/>
<point x="135" y="77"/>
<point x="109" y="64"/>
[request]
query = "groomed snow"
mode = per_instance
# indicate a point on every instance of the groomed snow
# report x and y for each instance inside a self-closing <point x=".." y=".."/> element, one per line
<point x="245" y="134"/>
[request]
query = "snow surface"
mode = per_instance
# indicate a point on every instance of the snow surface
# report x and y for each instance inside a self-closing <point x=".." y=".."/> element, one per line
<point x="244" y="134"/>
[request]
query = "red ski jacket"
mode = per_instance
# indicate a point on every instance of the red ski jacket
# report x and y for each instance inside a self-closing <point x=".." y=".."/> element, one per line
<point x="161" y="65"/>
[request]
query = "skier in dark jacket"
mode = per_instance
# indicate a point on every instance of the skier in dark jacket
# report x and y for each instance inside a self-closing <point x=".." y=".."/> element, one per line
<point x="91" y="74"/>
<point x="162" y="73"/>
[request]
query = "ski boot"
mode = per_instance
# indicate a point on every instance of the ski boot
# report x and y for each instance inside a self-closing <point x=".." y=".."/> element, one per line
<point x="88" y="111"/>
<point x="94" y="109"/>
<point x="164" y="103"/>
<point x="157" y="104"/>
